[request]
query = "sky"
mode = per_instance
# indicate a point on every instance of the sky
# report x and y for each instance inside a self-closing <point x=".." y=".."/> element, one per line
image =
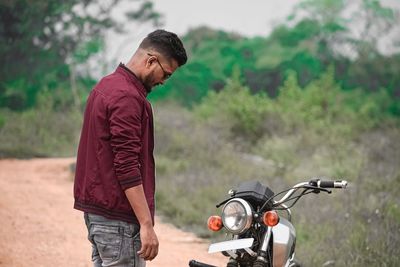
<point x="249" y="18"/>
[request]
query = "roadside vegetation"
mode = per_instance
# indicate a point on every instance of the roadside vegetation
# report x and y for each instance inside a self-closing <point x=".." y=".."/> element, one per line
<point x="304" y="133"/>
<point x="310" y="100"/>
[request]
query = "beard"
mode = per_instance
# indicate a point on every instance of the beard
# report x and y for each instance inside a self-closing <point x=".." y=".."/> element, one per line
<point x="148" y="88"/>
<point x="148" y="83"/>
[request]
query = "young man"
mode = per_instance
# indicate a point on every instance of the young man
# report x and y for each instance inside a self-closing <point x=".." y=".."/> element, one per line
<point x="115" y="172"/>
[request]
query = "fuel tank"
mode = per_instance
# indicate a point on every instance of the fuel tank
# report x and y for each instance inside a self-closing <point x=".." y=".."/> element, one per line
<point x="284" y="237"/>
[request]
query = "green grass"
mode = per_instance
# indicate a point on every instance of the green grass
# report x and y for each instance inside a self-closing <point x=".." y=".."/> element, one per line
<point x="40" y="132"/>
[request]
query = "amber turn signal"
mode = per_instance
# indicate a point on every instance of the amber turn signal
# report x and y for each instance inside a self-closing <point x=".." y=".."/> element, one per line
<point x="271" y="218"/>
<point x="214" y="223"/>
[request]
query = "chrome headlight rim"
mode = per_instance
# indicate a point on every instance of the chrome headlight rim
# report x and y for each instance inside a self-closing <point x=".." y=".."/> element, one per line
<point x="248" y="212"/>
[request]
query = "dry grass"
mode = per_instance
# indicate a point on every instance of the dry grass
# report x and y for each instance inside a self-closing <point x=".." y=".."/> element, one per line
<point x="198" y="162"/>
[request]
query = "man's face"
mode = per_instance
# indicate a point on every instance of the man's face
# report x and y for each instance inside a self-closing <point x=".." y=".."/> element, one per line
<point x="159" y="70"/>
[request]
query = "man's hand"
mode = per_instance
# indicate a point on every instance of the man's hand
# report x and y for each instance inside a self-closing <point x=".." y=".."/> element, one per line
<point x="148" y="237"/>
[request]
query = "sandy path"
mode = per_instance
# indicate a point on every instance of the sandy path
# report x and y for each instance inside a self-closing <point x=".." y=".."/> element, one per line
<point x="38" y="226"/>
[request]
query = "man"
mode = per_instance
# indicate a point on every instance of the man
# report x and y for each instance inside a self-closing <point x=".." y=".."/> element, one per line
<point x="115" y="171"/>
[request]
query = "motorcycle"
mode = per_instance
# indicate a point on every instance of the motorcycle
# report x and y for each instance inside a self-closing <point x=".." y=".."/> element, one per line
<point x="260" y="237"/>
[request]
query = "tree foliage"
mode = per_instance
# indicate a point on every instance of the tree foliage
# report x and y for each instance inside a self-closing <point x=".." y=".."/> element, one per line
<point x="318" y="35"/>
<point x="42" y="39"/>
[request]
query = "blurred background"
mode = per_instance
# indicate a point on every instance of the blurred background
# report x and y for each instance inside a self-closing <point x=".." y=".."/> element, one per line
<point x="275" y="91"/>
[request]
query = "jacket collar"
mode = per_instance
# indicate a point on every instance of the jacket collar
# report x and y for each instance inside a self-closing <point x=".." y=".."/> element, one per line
<point x="122" y="69"/>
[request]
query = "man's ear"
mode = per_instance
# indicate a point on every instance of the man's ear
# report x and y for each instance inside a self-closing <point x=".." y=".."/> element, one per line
<point x="150" y="60"/>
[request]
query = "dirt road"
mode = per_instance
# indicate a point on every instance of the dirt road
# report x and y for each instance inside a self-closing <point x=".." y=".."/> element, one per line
<point x="38" y="226"/>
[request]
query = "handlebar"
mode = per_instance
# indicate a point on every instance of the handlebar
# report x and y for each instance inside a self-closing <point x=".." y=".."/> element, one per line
<point x="194" y="263"/>
<point x="316" y="184"/>
<point x="328" y="184"/>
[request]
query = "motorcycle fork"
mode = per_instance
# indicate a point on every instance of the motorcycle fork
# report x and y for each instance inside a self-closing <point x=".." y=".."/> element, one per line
<point x="262" y="255"/>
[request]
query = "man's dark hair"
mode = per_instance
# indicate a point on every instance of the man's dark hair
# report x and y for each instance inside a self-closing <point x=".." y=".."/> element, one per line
<point x="166" y="43"/>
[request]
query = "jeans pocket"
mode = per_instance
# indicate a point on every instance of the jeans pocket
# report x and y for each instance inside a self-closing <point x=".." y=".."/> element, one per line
<point x="108" y="240"/>
<point x="137" y="244"/>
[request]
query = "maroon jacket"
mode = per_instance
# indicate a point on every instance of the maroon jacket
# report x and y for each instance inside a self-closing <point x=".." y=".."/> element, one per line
<point x="116" y="147"/>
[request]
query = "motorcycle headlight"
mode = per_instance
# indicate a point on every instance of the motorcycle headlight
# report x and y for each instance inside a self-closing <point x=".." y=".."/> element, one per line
<point x="237" y="215"/>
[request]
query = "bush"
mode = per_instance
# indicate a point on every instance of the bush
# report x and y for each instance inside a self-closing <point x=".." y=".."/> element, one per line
<point x="241" y="111"/>
<point x="44" y="131"/>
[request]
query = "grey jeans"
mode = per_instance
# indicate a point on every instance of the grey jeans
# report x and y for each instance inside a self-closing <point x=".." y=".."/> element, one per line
<point x="114" y="243"/>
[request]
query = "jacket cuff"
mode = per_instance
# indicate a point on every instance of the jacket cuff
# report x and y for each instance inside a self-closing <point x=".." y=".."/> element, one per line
<point x="130" y="182"/>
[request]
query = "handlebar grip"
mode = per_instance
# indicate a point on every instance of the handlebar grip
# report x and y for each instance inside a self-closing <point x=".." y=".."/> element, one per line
<point x="194" y="263"/>
<point x="326" y="184"/>
<point x="329" y="184"/>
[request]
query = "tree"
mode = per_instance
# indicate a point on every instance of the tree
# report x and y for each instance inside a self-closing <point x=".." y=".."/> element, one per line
<point x="352" y="28"/>
<point x="41" y="38"/>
